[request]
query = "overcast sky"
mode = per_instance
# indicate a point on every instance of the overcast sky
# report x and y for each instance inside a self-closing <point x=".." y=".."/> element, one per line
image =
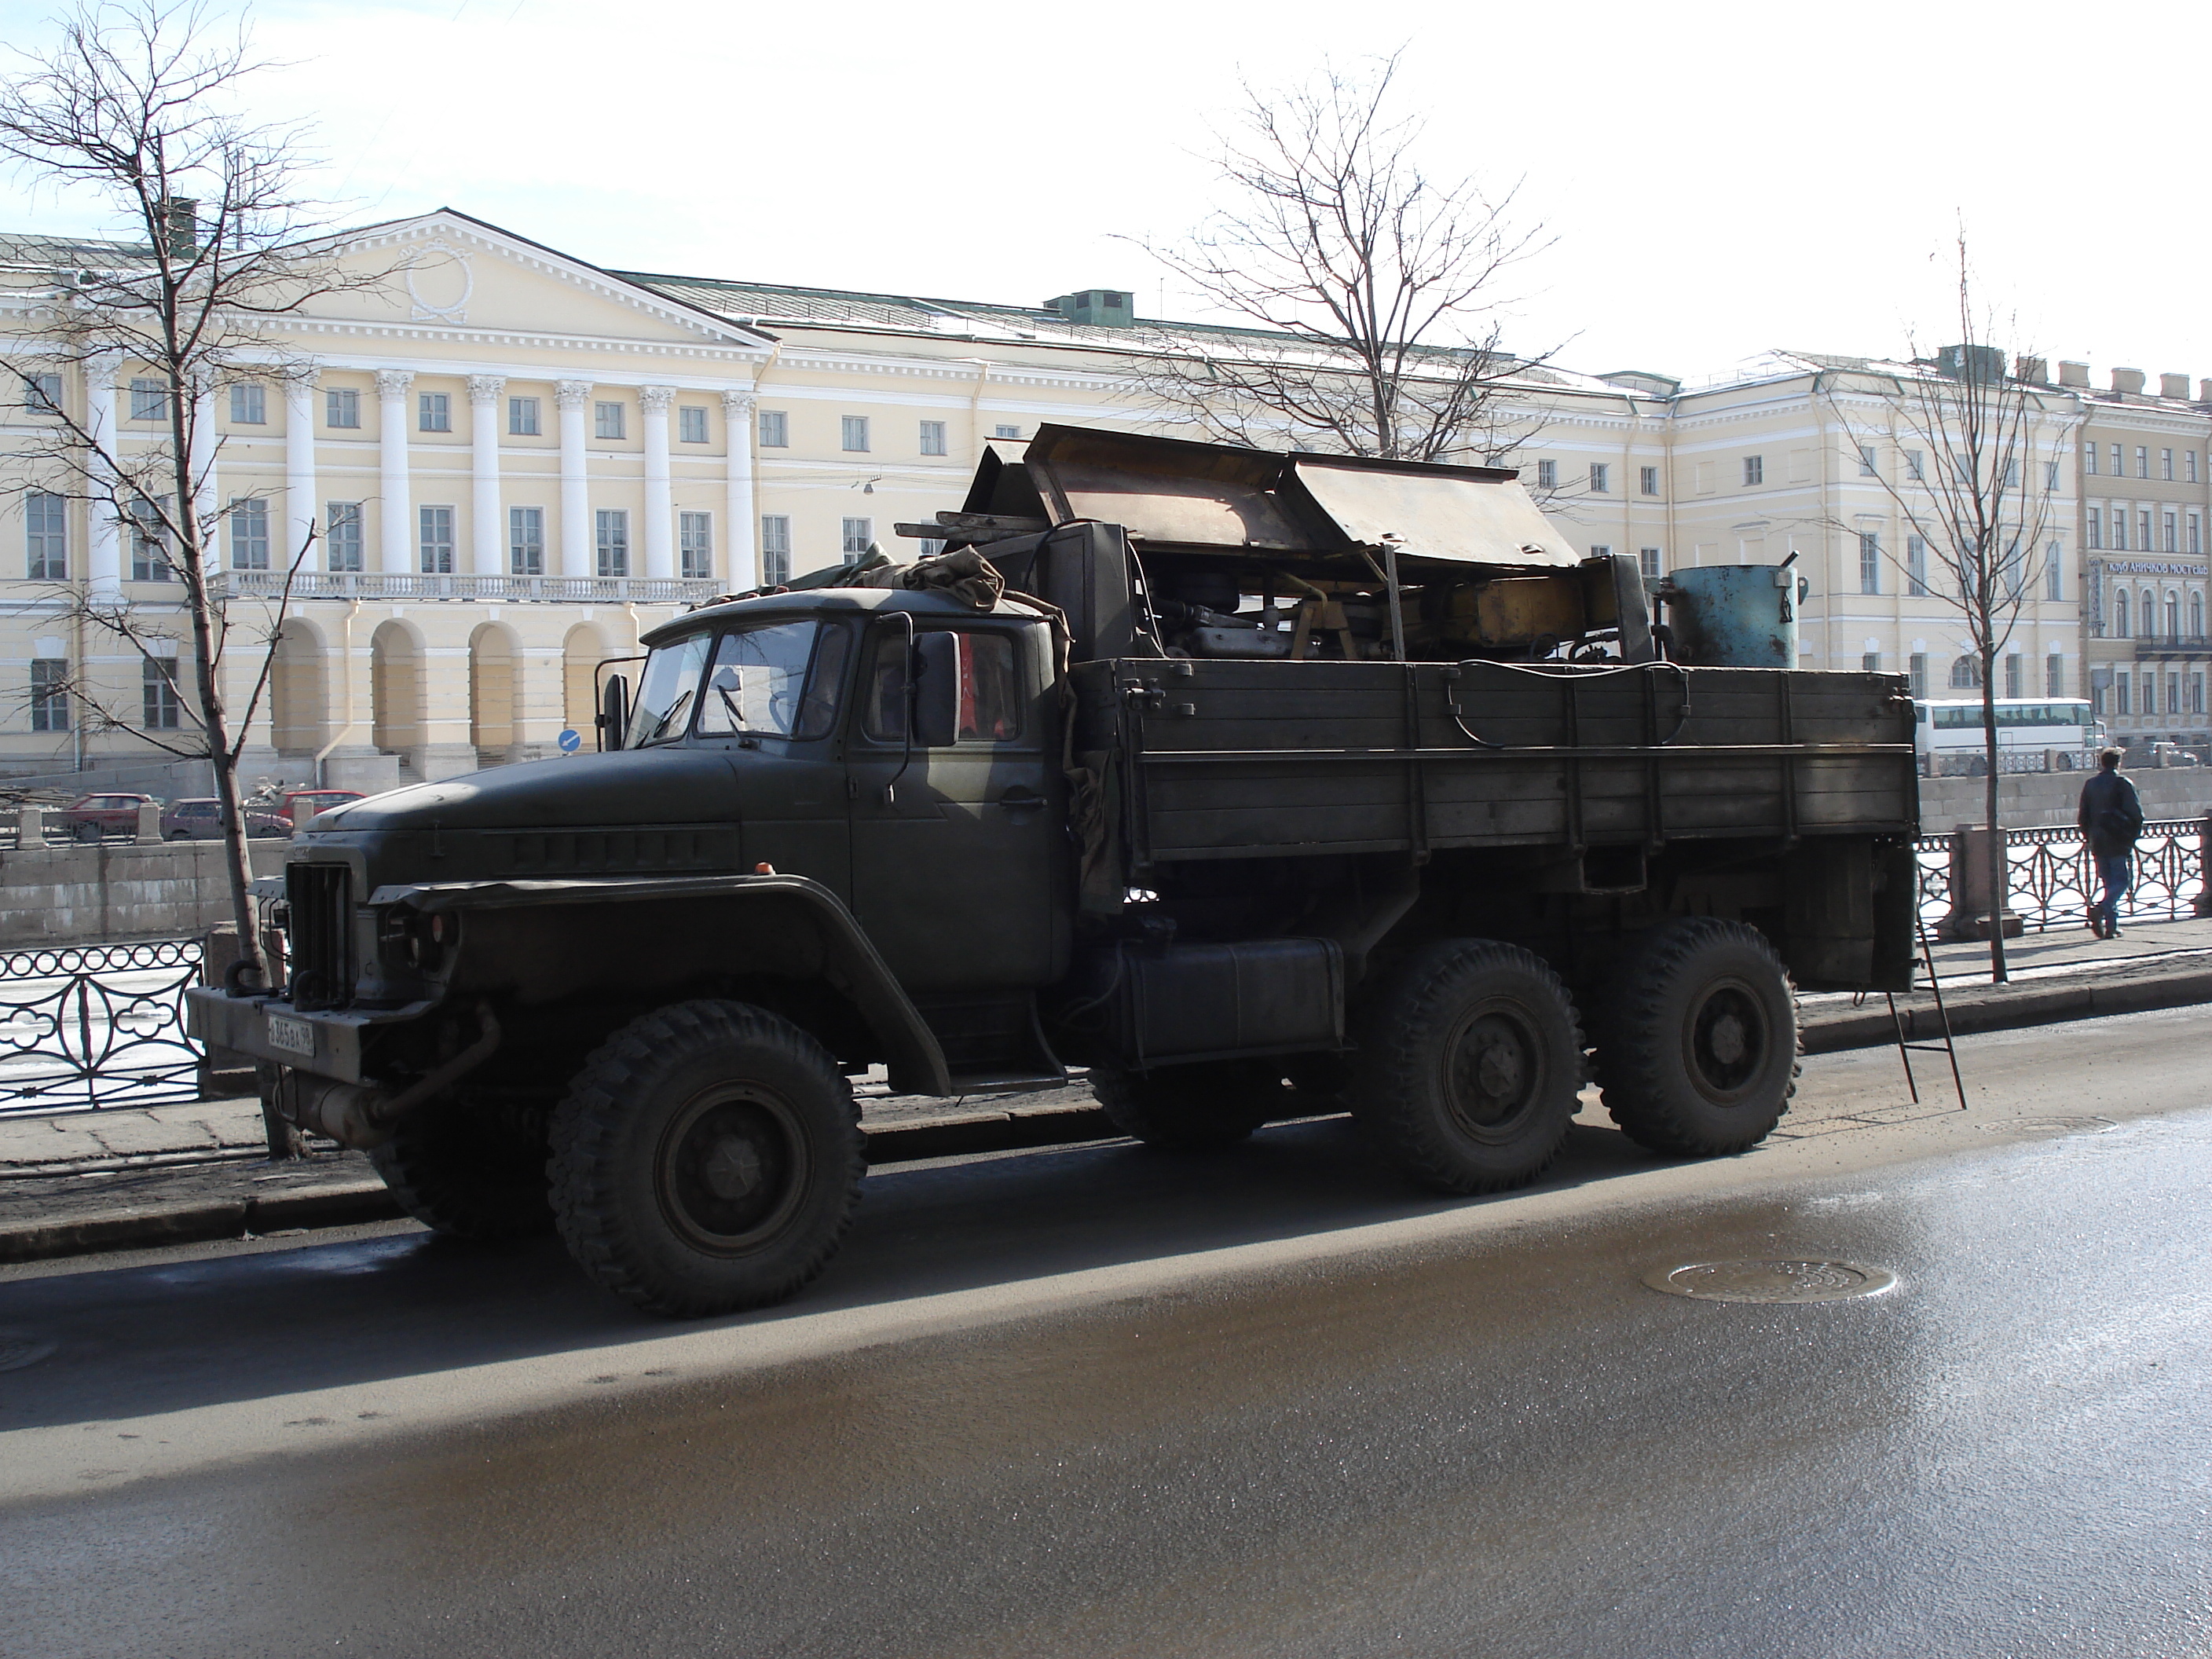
<point x="1718" y="178"/>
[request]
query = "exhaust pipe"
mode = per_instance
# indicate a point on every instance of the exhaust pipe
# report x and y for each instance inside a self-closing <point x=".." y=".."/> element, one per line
<point x="360" y="1115"/>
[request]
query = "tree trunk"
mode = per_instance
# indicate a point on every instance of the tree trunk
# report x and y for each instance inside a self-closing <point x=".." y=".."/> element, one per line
<point x="1999" y="973"/>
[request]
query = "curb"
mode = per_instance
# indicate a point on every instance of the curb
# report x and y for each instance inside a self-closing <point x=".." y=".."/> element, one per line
<point x="1027" y="1127"/>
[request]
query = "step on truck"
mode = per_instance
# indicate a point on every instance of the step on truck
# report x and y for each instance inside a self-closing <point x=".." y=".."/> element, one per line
<point x="1247" y="781"/>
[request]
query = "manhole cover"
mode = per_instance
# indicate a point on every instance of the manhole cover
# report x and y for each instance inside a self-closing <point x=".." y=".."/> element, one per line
<point x="2048" y="1125"/>
<point x="1770" y="1281"/>
<point x="22" y="1348"/>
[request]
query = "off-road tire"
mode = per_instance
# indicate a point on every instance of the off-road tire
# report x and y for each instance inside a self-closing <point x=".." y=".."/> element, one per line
<point x="707" y="1159"/>
<point x="464" y="1174"/>
<point x="1697" y="1041"/>
<point x="1468" y="1066"/>
<point x="1191" y="1108"/>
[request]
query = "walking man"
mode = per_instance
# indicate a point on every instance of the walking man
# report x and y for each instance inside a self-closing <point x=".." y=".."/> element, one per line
<point x="2110" y="818"/>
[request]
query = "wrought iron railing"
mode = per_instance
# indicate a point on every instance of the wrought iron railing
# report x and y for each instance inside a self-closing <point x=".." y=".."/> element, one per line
<point x="85" y="1028"/>
<point x="2049" y="878"/>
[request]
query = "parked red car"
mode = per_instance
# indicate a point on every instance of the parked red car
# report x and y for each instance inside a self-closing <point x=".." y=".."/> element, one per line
<point x="97" y="816"/>
<point x="315" y="800"/>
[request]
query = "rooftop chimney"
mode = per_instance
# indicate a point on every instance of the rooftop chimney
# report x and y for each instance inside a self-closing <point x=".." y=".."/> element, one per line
<point x="2033" y="370"/>
<point x="2128" y="380"/>
<point x="2174" y="386"/>
<point x="1100" y="307"/>
<point x="2074" y="374"/>
<point x="2204" y="392"/>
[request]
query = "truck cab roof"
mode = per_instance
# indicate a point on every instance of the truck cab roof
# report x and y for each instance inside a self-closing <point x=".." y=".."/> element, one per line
<point x="826" y="602"/>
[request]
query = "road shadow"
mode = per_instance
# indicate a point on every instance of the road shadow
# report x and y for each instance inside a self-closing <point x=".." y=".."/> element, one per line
<point x="143" y="1338"/>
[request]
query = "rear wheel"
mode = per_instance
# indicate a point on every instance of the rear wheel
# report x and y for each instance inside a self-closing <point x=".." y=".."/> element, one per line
<point x="1697" y="1046"/>
<point x="707" y="1159"/>
<point x="466" y="1173"/>
<point x="1468" y="1066"/>
<point x="1191" y="1108"/>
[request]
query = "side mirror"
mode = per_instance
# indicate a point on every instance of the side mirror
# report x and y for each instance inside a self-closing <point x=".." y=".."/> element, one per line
<point x="935" y="680"/>
<point x="613" y="712"/>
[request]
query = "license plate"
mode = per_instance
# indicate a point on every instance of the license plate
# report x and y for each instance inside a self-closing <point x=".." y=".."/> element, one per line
<point x="294" y="1036"/>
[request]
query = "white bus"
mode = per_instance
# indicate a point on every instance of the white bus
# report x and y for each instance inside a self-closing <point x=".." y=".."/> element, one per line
<point x="1953" y="726"/>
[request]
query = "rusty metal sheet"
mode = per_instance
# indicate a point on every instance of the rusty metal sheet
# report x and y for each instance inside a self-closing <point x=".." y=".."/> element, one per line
<point x="1172" y="493"/>
<point x="1461" y="515"/>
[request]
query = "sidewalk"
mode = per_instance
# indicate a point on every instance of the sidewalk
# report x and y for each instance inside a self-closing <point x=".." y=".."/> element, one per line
<point x="128" y="1179"/>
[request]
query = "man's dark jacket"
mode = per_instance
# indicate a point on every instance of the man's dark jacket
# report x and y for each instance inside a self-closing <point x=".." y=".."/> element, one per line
<point x="2112" y="814"/>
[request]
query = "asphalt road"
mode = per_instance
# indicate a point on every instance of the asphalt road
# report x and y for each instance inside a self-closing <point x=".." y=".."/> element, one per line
<point x="1267" y="1403"/>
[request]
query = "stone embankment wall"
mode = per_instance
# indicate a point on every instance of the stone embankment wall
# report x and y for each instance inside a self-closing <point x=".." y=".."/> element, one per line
<point x="118" y="890"/>
<point x="2032" y="800"/>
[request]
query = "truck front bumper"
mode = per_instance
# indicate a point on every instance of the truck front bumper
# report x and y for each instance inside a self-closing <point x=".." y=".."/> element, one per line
<point x="328" y="1044"/>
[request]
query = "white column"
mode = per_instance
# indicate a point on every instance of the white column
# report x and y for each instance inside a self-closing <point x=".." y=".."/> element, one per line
<point x="740" y="536"/>
<point x="654" y="403"/>
<point x="485" y="519"/>
<point x="575" y="488"/>
<point x="299" y="504"/>
<point x="104" y="564"/>
<point x="398" y="504"/>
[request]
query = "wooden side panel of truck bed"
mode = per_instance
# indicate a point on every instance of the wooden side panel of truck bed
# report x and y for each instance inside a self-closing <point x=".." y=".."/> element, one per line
<point x="1224" y="759"/>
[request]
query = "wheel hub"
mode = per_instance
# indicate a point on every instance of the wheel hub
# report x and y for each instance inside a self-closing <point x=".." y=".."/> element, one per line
<point x="730" y="1171"/>
<point x="1727" y="1039"/>
<point x="1494" y="1071"/>
<point x="733" y="1169"/>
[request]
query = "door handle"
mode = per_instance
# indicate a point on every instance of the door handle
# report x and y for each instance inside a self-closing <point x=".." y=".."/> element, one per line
<point x="1021" y="800"/>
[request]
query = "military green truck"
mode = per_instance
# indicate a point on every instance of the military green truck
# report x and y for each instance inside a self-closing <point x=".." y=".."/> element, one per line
<point x="1250" y="782"/>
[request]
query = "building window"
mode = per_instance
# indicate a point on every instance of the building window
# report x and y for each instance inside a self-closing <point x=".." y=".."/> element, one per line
<point x="149" y="401"/>
<point x="858" y="533"/>
<point x="2012" y="676"/>
<point x="2143" y="461"/>
<point x="249" y="404"/>
<point x="522" y="418"/>
<point x="775" y="549"/>
<point x="2053" y="582"/>
<point x="1869" y="563"/>
<point x="2119" y="530"/>
<point x="691" y="424"/>
<point x="1600" y="552"/>
<point x="775" y="429"/>
<point x="149" y="554"/>
<point x="1647" y="562"/>
<point x="2173" y="615"/>
<point x="2120" y="693"/>
<point x="2196" y="533"/>
<point x="608" y="420"/>
<point x="2197" y="694"/>
<point x="342" y="520"/>
<point x="526" y="541"/>
<point x="2196" y="616"/>
<point x="1917" y="673"/>
<point x="436" y="525"/>
<point x="1601" y="479"/>
<point x="2050" y="476"/>
<point x="1916" y="567"/>
<point x="2166" y="465"/>
<point x="2147" y="616"/>
<point x="1648" y="480"/>
<point x="1006" y="432"/>
<point x="2119" y="613"/>
<point x="932" y="437"/>
<point x="694" y="537"/>
<point x="1965" y="673"/>
<point x="50" y="709"/>
<point x="1915" y="468"/>
<point x="1548" y="475"/>
<point x="2172" y="534"/>
<point x="42" y="393"/>
<point x="1871" y="662"/>
<point x="856" y="430"/>
<point x="1754" y="468"/>
<point x="2054" y="676"/>
<point x="2089" y="460"/>
<point x="613" y="529"/>
<point x="2096" y="528"/>
<point x="2173" y="693"/>
<point x="433" y="412"/>
<point x="2189" y="465"/>
<point x="1866" y="461"/>
<point x="2142" y="525"/>
<point x="342" y="409"/>
<point x="249" y="532"/>
<point x="2012" y="472"/>
<point x="2119" y="467"/>
<point x="46" y="536"/>
<point x="159" y="706"/>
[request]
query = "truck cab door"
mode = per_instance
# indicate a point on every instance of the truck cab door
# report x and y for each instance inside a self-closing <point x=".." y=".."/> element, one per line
<point x="959" y="843"/>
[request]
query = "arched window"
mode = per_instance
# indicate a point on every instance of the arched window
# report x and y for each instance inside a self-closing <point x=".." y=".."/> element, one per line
<point x="2119" y="613"/>
<point x="2173" y="615"/>
<point x="1967" y="674"/>
<point x="2196" y="616"/>
<point x="2149" y="616"/>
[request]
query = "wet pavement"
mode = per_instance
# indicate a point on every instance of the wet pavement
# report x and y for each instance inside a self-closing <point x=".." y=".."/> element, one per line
<point x="1097" y="1401"/>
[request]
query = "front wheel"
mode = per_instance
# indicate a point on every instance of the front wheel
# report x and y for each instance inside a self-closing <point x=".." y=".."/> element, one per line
<point x="1697" y="1046"/>
<point x="1469" y="1065"/>
<point x="707" y="1159"/>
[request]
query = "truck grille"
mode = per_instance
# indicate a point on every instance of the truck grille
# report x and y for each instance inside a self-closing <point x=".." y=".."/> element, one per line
<point x="321" y="897"/>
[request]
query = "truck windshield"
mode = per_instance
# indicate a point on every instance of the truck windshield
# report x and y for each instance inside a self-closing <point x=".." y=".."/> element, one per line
<point x="665" y="692"/>
<point x="758" y="683"/>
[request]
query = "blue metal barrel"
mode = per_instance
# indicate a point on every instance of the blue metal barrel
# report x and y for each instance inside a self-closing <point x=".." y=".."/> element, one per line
<point x="1735" y="615"/>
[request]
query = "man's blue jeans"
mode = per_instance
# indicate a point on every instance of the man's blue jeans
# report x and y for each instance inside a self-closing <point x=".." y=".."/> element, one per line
<point x="2117" y="871"/>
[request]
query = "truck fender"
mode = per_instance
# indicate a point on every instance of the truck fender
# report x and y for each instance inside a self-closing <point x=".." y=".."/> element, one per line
<point x="850" y="963"/>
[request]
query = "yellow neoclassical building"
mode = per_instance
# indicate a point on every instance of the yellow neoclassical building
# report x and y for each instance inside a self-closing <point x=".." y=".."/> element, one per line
<point x="515" y="462"/>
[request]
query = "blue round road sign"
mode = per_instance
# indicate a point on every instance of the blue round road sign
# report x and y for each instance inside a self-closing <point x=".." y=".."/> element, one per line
<point x="569" y="742"/>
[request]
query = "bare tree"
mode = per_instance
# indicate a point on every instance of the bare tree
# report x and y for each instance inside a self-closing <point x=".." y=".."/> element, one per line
<point x="1376" y="287"/>
<point x="132" y="106"/>
<point x="1978" y="495"/>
